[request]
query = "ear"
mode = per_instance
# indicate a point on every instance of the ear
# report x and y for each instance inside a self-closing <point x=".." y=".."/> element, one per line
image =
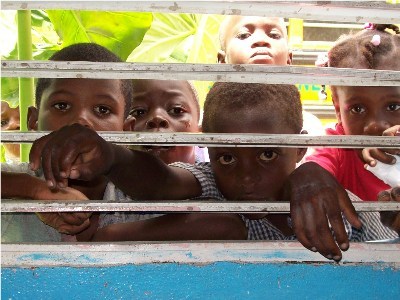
<point x="33" y="114"/>
<point x="221" y="57"/>
<point x="129" y="123"/>
<point x="335" y="101"/>
<point x="290" y="57"/>
<point x="301" y="151"/>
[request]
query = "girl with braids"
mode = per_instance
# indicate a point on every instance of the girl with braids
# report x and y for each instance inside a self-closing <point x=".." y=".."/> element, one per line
<point x="364" y="110"/>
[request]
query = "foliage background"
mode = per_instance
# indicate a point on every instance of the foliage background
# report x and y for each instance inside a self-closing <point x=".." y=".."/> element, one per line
<point x="135" y="37"/>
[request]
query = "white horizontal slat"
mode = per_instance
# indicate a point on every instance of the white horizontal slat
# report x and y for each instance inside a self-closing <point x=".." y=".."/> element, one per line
<point x="8" y="205"/>
<point x="214" y="72"/>
<point x="340" y="11"/>
<point x="226" y="140"/>
<point x="124" y="253"/>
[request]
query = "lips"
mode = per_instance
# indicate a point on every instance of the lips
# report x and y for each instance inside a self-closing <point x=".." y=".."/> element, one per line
<point x="261" y="53"/>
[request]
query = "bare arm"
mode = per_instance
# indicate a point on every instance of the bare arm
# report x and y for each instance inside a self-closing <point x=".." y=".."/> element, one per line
<point x="78" y="152"/>
<point x="20" y="185"/>
<point x="207" y="226"/>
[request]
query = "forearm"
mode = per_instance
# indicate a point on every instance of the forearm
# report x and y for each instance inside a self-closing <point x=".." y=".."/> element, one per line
<point x="177" y="227"/>
<point x="20" y="185"/>
<point x="144" y="176"/>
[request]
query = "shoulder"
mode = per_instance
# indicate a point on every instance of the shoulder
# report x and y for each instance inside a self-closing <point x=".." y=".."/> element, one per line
<point x="204" y="175"/>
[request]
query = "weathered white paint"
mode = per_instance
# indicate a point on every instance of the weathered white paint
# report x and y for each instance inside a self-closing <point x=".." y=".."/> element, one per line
<point x="226" y="140"/>
<point x="120" y="253"/>
<point x="341" y="11"/>
<point x="215" y="72"/>
<point x="8" y="205"/>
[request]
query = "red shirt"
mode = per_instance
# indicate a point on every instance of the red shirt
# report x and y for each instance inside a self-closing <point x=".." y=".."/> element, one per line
<point x="348" y="169"/>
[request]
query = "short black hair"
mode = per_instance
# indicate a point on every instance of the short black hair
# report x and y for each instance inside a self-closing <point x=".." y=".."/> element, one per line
<point x="228" y="97"/>
<point x="86" y="52"/>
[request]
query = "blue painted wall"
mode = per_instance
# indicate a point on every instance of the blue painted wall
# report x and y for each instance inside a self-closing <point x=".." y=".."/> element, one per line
<point x="222" y="280"/>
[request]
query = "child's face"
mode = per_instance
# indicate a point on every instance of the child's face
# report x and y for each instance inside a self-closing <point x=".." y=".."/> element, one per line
<point x="367" y="110"/>
<point x="257" y="40"/>
<point x="165" y="106"/>
<point x="95" y="103"/>
<point x="10" y="121"/>
<point x="256" y="173"/>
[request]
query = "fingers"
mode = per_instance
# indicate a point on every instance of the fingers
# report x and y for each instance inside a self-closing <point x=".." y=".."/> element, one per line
<point x="75" y="218"/>
<point x="346" y="206"/>
<point x="371" y="155"/>
<point x="315" y="233"/>
<point x="395" y="194"/>
<point x="35" y="155"/>
<point x="392" y="131"/>
<point x="58" y="222"/>
<point x="73" y="229"/>
<point x="368" y="158"/>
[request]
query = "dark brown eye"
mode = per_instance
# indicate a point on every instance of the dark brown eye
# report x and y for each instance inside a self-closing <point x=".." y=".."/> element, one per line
<point x="226" y="159"/>
<point x="268" y="155"/>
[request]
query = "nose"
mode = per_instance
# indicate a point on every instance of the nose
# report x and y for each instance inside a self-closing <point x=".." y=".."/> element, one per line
<point x="13" y="124"/>
<point x="83" y="119"/>
<point x="248" y="177"/>
<point x="260" y="39"/>
<point x="376" y="126"/>
<point x="157" y="122"/>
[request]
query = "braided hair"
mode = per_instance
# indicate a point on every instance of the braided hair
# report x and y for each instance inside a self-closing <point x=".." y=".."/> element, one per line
<point x="373" y="48"/>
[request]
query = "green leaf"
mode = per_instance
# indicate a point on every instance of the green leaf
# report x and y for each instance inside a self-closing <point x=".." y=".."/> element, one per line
<point x="120" y="32"/>
<point x="181" y="38"/>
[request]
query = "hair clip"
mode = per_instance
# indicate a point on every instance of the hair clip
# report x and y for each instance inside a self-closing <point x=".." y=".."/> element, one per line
<point x="369" y="26"/>
<point x="322" y="60"/>
<point x="376" y="40"/>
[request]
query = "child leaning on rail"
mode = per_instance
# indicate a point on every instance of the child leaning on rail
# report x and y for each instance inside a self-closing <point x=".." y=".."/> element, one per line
<point x="260" y="40"/>
<point x="100" y="104"/>
<point x="234" y="173"/>
<point x="360" y="110"/>
<point x="161" y="106"/>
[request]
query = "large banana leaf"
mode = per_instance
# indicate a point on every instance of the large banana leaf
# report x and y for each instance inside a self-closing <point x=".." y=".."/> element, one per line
<point x="120" y="32"/>
<point x="181" y="38"/>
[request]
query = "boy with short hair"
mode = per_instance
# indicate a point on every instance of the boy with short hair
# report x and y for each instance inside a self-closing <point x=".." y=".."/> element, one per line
<point x="99" y="104"/>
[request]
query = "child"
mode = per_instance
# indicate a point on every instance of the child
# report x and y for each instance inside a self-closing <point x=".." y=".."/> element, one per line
<point x="10" y="121"/>
<point x="260" y="40"/>
<point x="161" y="106"/>
<point x="166" y="106"/>
<point x="362" y="110"/>
<point x="97" y="104"/>
<point x="240" y="173"/>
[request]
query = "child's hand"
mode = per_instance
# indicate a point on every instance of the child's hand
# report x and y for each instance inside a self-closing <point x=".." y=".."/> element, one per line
<point x="391" y="219"/>
<point x="370" y="155"/>
<point x="69" y="223"/>
<point x="316" y="201"/>
<point x="74" y="152"/>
